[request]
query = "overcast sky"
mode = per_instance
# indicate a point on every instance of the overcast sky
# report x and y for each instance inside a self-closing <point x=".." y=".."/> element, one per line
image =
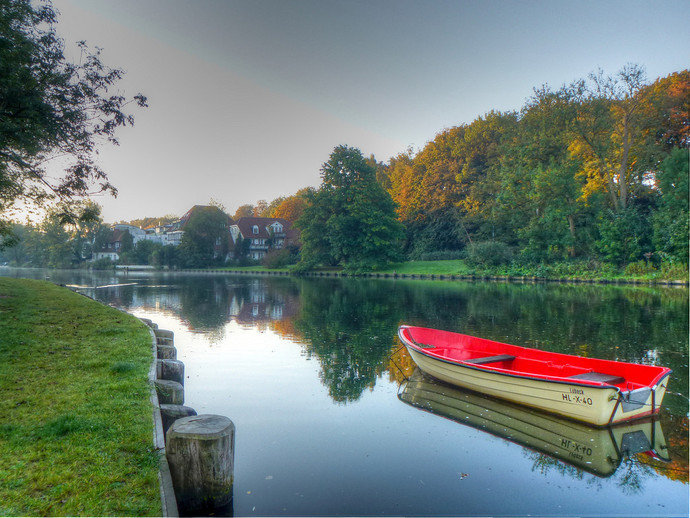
<point x="248" y="98"/>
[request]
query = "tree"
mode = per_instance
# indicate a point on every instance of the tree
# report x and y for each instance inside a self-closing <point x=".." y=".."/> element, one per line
<point x="292" y="207"/>
<point x="149" y="222"/>
<point x="275" y="203"/>
<point x="608" y="126"/>
<point x="244" y="211"/>
<point x="206" y="236"/>
<point x="142" y="253"/>
<point x="49" y="108"/>
<point x="57" y="247"/>
<point x="261" y="209"/>
<point x="540" y="191"/>
<point x="351" y="219"/>
<point x="671" y="220"/>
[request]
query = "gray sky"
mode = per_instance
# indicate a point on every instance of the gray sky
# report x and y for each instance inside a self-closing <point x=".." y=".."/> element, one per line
<point x="248" y="99"/>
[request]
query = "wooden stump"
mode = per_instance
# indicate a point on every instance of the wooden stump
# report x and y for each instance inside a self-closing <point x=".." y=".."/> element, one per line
<point x="172" y="370"/>
<point x="166" y="352"/>
<point x="171" y="413"/>
<point x="163" y="333"/>
<point x="169" y="392"/>
<point x="200" y="452"/>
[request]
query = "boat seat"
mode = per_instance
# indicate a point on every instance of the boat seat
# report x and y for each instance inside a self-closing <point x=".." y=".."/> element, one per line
<point x="611" y="379"/>
<point x="491" y="359"/>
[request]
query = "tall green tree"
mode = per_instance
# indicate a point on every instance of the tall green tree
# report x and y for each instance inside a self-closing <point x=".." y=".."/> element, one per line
<point x="351" y="219"/>
<point x="671" y="220"/>
<point x="539" y="194"/>
<point x="205" y="239"/>
<point x="52" y="107"/>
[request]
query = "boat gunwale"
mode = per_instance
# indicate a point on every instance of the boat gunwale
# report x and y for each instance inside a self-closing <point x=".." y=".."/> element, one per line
<point x="665" y="371"/>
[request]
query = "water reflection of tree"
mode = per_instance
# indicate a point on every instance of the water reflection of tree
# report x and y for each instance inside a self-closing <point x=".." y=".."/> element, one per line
<point x="400" y="364"/>
<point x="204" y="302"/>
<point x="634" y="470"/>
<point x="208" y="303"/>
<point x="629" y="476"/>
<point x="676" y="434"/>
<point x="349" y="327"/>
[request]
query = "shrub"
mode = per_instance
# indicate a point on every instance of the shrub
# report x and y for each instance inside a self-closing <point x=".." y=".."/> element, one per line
<point x="625" y="235"/>
<point x="241" y="261"/>
<point x="103" y="264"/>
<point x="278" y="259"/>
<point x="640" y="268"/>
<point x="488" y="253"/>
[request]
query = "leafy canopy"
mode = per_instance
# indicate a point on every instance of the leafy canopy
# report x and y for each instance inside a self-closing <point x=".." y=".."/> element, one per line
<point x="52" y="110"/>
<point x="351" y="219"/>
<point x="206" y="237"/>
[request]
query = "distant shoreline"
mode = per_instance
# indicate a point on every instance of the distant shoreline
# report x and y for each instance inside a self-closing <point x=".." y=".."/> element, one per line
<point x="333" y="273"/>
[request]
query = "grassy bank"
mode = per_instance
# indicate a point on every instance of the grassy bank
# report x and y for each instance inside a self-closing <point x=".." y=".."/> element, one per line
<point x="565" y="270"/>
<point x="75" y="417"/>
<point x="574" y="270"/>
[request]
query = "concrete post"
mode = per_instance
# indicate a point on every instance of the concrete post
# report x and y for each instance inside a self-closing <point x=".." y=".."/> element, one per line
<point x="172" y="370"/>
<point x="200" y="451"/>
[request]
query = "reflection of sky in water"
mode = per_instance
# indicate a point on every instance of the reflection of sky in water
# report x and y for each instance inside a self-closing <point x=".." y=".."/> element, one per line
<point x="302" y="369"/>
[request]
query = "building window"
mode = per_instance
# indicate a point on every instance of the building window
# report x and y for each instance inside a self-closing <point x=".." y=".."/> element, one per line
<point x="255" y="229"/>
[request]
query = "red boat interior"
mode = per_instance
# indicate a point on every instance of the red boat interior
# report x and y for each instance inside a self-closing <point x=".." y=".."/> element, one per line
<point x="511" y="359"/>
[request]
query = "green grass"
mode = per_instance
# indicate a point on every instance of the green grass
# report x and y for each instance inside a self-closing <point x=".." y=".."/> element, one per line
<point x="449" y="267"/>
<point x="75" y="417"/>
<point x="566" y="270"/>
<point x="255" y="268"/>
<point x="561" y="270"/>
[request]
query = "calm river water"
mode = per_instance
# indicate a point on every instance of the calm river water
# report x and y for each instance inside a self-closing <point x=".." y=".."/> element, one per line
<point x="332" y="419"/>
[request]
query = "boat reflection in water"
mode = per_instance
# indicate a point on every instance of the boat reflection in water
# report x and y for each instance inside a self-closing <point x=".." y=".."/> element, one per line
<point x="597" y="450"/>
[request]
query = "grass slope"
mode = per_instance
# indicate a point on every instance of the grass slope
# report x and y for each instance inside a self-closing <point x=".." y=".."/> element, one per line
<point x="75" y="416"/>
<point x="562" y="270"/>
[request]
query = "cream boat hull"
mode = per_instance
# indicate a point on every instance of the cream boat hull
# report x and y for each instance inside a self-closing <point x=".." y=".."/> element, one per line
<point x="599" y="406"/>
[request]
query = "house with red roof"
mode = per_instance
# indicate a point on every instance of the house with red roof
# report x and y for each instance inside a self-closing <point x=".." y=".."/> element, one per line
<point x="111" y="248"/>
<point x="264" y="234"/>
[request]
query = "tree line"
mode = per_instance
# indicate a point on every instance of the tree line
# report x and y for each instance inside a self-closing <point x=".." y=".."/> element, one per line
<point x="55" y="242"/>
<point x="596" y="171"/>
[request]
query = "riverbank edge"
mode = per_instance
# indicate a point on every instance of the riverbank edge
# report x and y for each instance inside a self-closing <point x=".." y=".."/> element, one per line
<point x="520" y="279"/>
<point x="446" y="277"/>
<point x="167" y="492"/>
<point x="167" y="499"/>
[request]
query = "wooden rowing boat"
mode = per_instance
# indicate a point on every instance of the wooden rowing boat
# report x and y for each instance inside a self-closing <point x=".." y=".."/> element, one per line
<point x="597" y="450"/>
<point x="599" y="392"/>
